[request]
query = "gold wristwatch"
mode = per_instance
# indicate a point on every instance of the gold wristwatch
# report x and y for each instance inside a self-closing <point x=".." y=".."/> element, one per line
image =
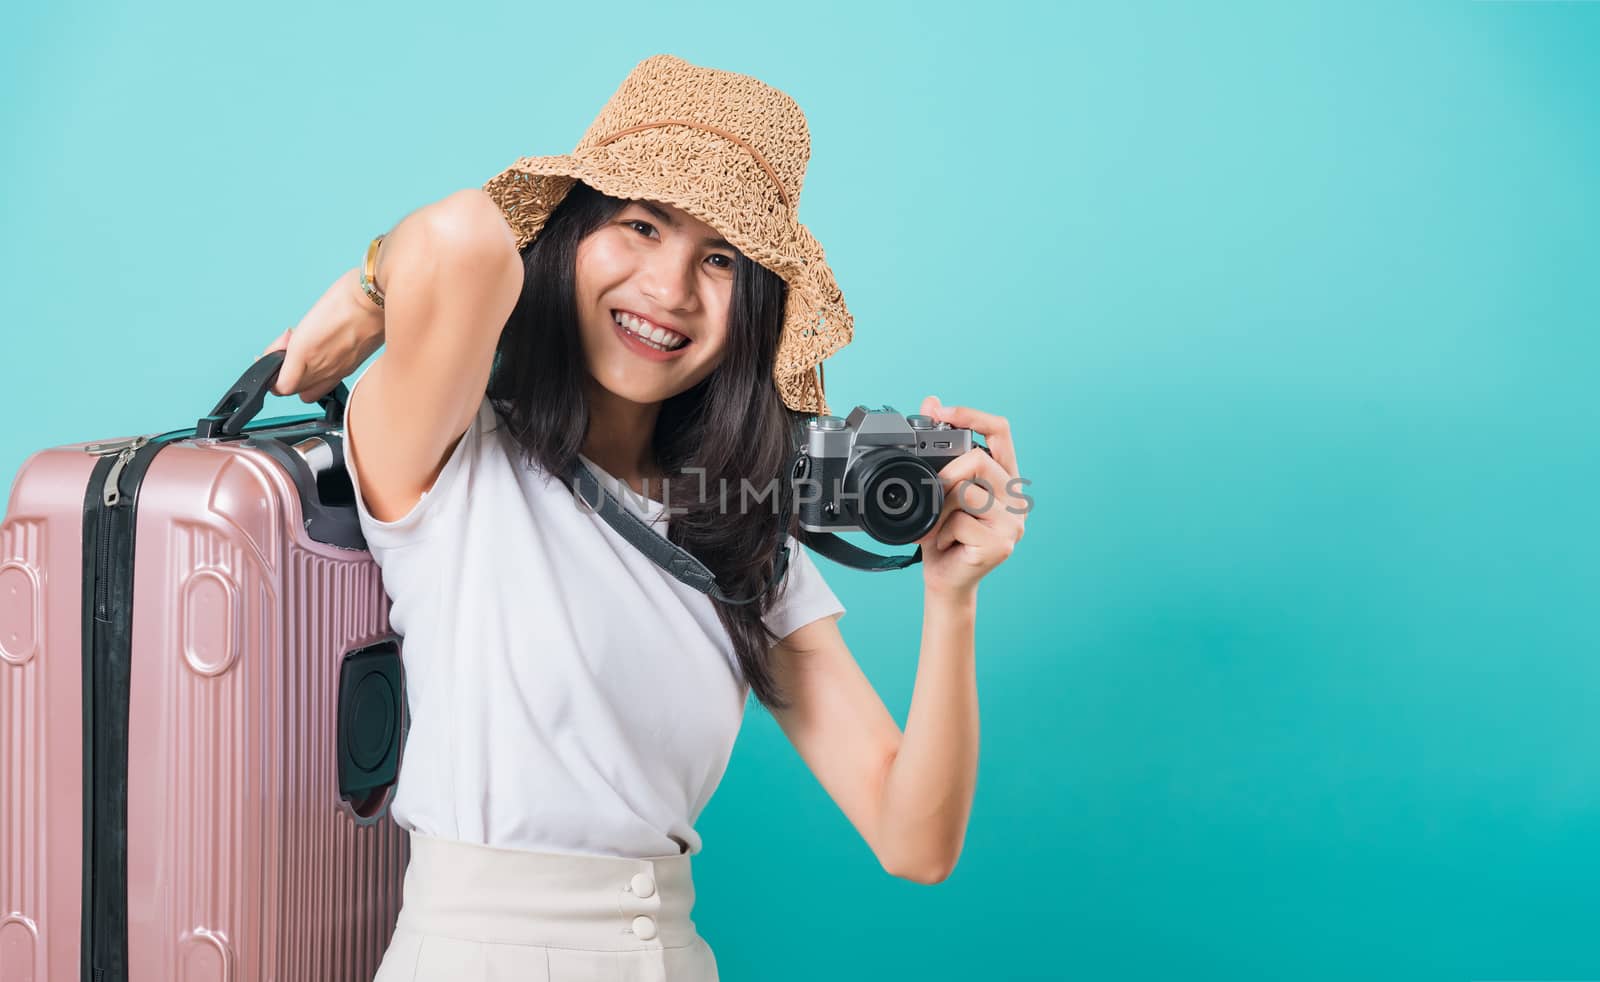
<point x="369" y="270"/>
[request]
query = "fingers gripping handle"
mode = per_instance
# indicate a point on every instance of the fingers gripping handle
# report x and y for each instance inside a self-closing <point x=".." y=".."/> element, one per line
<point x="240" y="404"/>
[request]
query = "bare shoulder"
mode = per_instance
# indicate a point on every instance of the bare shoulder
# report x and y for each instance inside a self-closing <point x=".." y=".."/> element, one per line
<point x="472" y="220"/>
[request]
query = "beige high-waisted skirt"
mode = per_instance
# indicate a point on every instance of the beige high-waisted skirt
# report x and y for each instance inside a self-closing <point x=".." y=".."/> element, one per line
<point x="472" y="913"/>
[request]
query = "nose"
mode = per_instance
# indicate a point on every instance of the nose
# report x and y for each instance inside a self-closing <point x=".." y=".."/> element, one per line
<point x="669" y="278"/>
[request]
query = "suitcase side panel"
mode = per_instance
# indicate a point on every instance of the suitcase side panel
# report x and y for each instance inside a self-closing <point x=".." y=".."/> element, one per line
<point x="41" y="717"/>
<point x="243" y="862"/>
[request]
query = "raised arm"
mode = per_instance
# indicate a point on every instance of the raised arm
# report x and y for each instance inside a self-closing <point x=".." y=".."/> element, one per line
<point x="451" y="274"/>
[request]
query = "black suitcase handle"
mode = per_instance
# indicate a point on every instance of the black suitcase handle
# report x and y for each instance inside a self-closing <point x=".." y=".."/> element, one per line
<point x="243" y="400"/>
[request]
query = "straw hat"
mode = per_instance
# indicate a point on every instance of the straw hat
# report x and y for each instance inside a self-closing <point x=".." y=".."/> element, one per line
<point x="731" y="151"/>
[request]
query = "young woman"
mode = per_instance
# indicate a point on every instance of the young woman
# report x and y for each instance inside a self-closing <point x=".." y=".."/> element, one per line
<point x="651" y="306"/>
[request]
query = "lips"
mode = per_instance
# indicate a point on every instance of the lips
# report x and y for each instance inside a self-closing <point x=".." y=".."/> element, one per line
<point x="658" y="333"/>
<point x="645" y="351"/>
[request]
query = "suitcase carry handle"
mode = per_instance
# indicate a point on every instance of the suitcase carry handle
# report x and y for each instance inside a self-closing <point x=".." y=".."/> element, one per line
<point x="243" y="400"/>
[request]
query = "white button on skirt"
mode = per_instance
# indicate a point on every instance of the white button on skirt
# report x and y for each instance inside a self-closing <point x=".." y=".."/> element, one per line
<point x="474" y="913"/>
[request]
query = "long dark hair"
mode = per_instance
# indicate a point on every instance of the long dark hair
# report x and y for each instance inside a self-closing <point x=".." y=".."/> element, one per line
<point x="733" y="424"/>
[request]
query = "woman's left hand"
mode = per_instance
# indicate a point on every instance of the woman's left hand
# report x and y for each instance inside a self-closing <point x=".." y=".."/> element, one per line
<point x="984" y="508"/>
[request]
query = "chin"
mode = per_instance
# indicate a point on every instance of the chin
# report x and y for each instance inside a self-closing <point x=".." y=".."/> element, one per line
<point x="633" y="389"/>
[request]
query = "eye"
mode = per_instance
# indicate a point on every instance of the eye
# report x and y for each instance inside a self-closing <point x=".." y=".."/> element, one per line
<point x="726" y="260"/>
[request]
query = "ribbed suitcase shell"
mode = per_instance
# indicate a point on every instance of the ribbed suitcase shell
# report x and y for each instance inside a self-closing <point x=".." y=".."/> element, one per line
<point x="243" y="862"/>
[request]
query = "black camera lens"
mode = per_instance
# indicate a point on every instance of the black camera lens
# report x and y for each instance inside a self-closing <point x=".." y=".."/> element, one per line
<point x="896" y="494"/>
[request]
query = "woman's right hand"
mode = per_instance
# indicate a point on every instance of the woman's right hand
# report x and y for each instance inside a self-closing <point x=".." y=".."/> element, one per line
<point x="338" y="333"/>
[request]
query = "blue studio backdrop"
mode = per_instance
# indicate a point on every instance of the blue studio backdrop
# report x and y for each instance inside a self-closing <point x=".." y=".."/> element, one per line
<point x="1292" y="308"/>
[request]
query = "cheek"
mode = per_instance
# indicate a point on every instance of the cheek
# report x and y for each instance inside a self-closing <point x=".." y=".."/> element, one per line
<point x="600" y="264"/>
<point x="716" y="327"/>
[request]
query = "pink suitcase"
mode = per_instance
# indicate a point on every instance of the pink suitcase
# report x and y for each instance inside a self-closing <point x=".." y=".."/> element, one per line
<point x="201" y="708"/>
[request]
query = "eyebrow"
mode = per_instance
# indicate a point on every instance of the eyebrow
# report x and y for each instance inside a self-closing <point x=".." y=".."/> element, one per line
<point x="661" y="213"/>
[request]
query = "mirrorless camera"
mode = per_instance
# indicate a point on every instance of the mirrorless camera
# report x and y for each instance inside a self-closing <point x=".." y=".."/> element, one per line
<point x="875" y="471"/>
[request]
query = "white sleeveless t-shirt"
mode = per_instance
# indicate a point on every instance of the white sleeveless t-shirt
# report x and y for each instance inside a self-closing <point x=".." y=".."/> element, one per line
<point x="566" y="694"/>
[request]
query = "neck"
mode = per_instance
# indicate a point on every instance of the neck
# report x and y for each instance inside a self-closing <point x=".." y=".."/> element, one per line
<point x="618" y="438"/>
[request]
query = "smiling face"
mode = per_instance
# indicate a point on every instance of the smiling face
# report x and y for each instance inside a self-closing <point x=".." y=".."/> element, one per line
<point x="656" y="267"/>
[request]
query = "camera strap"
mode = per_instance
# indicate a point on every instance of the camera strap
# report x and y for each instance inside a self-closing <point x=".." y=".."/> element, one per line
<point x="845" y="554"/>
<point x="668" y="555"/>
<point x="686" y="569"/>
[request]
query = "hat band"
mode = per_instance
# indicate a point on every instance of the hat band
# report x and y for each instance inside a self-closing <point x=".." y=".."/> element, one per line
<point x="752" y="151"/>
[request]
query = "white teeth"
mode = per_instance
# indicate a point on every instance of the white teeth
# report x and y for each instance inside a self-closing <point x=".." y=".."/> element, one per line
<point x="649" y="333"/>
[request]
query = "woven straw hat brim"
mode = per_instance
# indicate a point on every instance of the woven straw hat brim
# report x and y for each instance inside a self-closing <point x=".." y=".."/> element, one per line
<point x="723" y="187"/>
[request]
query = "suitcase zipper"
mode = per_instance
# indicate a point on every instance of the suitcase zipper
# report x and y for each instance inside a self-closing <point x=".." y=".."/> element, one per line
<point x="107" y="640"/>
<point x="112" y="446"/>
<point x="124" y="449"/>
<point x="110" y="497"/>
<point x="102" y="580"/>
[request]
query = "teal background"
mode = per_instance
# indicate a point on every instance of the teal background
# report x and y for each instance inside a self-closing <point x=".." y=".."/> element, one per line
<point x="1291" y="306"/>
